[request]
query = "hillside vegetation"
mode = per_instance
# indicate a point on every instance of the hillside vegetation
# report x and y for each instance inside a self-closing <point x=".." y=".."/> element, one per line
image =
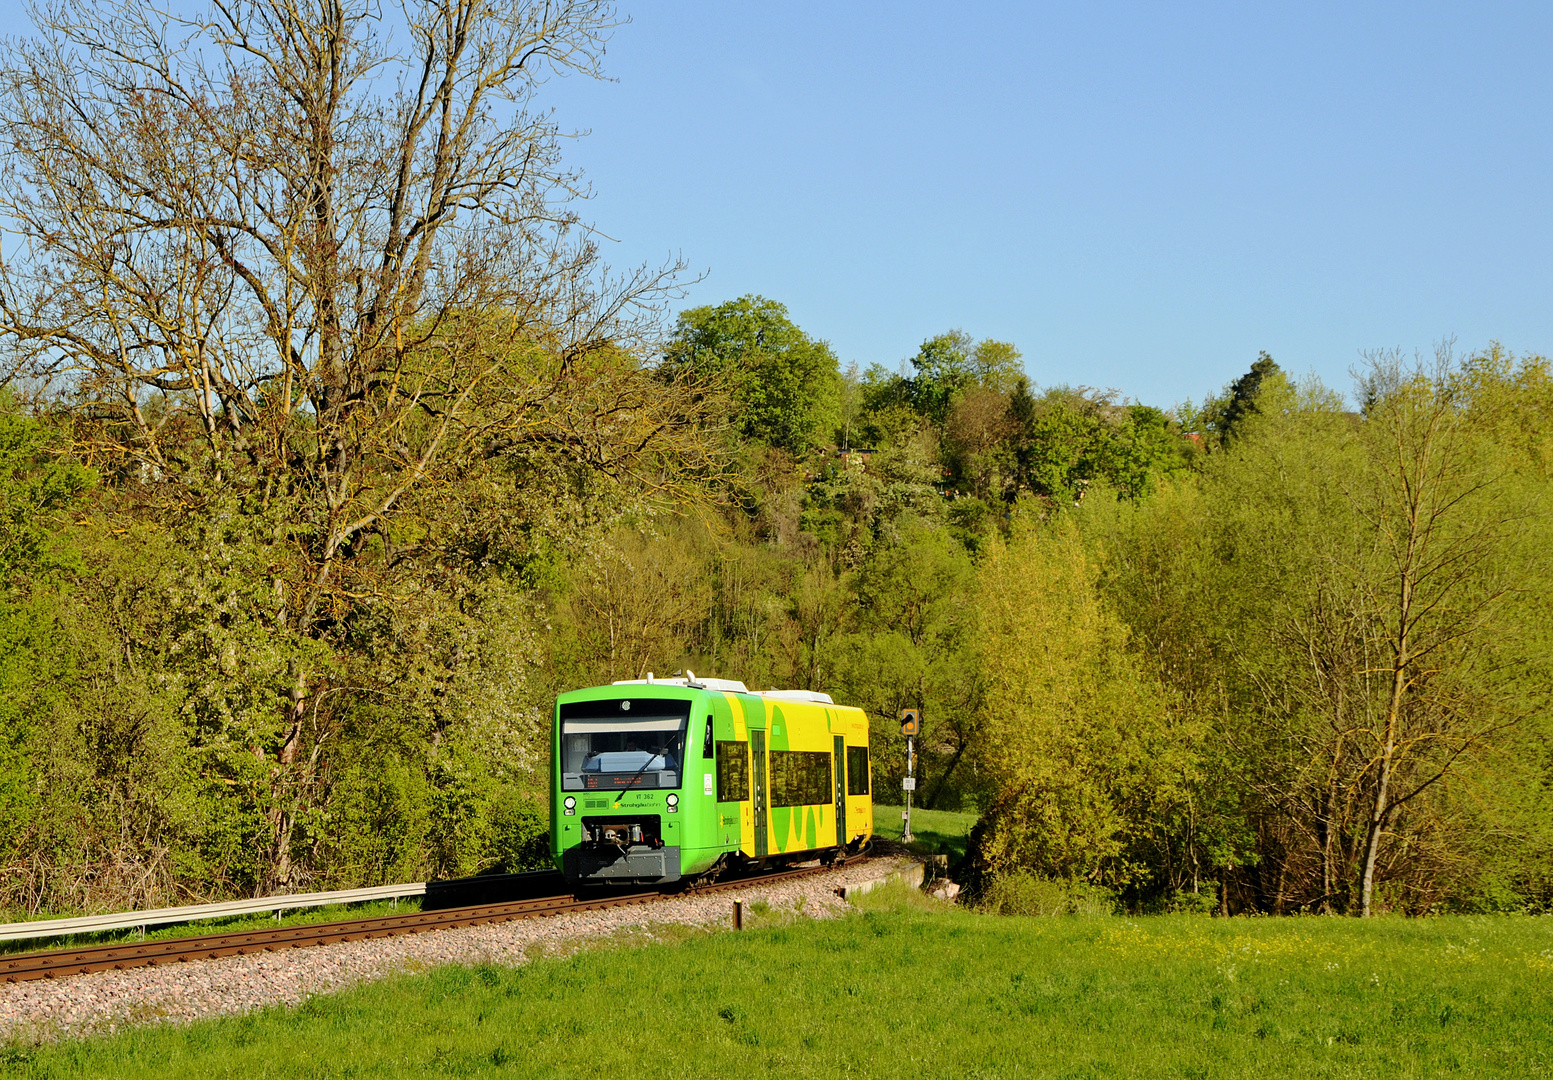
<point x="313" y="493"/>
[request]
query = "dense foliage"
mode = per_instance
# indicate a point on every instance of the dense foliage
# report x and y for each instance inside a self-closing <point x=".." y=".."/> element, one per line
<point x="301" y="533"/>
<point x="1207" y="691"/>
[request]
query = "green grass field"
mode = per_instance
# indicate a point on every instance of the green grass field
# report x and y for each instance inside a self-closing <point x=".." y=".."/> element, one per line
<point x="935" y="831"/>
<point x="907" y="989"/>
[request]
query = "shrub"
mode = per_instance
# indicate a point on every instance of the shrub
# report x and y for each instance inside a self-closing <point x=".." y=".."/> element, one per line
<point x="1021" y="893"/>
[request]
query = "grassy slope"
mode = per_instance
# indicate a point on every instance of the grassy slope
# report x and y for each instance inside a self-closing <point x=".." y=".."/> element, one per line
<point x="904" y="991"/>
<point x="934" y="830"/>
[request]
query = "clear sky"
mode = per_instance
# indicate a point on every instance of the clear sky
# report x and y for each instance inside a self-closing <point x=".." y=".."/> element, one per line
<point x="1140" y="196"/>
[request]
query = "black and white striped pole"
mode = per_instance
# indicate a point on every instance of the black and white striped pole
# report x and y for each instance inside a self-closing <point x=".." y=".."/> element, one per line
<point x="911" y="723"/>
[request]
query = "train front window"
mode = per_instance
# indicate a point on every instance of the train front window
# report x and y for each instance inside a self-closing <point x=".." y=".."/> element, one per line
<point x="621" y="745"/>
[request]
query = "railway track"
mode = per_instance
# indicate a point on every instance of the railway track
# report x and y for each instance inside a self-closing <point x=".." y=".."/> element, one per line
<point x="55" y="963"/>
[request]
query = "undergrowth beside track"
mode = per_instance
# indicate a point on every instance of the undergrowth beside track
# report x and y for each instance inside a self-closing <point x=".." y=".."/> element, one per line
<point x="907" y="987"/>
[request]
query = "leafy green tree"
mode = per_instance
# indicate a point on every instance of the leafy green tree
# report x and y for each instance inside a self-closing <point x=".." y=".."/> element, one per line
<point x="948" y="364"/>
<point x="944" y="367"/>
<point x="892" y="424"/>
<point x="635" y="602"/>
<point x="997" y="365"/>
<point x="1065" y="441"/>
<point x="1221" y="418"/>
<point x="267" y="281"/>
<point x="1157" y="571"/>
<point x="36" y="486"/>
<point x="1272" y="594"/>
<point x="911" y="646"/>
<point x="1082" y="754"/>
<point x="976" y="445"/>
<point x="784" y="384"/>
<point x="37" y="489"/>
<point x="1456" y="666"/>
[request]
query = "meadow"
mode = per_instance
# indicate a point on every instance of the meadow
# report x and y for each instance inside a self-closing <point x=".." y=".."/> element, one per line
<point x="907" y="986"/>
<point x="934" y="832"/>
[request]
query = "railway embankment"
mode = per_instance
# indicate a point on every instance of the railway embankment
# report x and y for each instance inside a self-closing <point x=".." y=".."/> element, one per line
<point x="106" y="1001"/>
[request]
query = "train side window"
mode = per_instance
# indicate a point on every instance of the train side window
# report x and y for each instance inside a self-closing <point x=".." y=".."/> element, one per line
<point x="800" y="778"/>
<point x="733" y="771"/>
<point x="706" y="746"/>
<point x="857" y="770"/>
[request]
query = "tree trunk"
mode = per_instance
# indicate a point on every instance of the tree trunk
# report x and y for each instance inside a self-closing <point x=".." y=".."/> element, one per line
<point x="1372" y="837"/>
<point x="1329" y="833"/>
<point x="1383" y="783"/>
<point x="281" y="817"/>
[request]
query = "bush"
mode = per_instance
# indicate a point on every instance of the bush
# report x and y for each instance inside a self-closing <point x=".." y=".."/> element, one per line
<point x="1021" y="893"/>
<point x="1182" y="902"/>
<point x="520" y="830"/>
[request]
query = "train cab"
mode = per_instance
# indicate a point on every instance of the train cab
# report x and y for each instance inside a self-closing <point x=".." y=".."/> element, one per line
<point x="659" y="780"/>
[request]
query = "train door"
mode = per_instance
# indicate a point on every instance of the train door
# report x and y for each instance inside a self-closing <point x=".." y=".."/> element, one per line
<point x="758" y="752"/>
<point x="839" y="783"/>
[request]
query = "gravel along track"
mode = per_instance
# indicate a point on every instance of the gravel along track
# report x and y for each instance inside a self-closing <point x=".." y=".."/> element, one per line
<point x="105" y="1001"/>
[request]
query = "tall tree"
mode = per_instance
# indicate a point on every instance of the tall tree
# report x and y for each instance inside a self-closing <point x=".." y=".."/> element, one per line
<point x="949" y="363"/>
<point x="1221" y="418"/>
<point x="1348" y="602"/>
<point x="784" y="384"/>
<point x="1083" y="756"/>
<point x="35" y="493"/>
<point x="291" y="259"/>
<point x="1066" y="440"/>
<point x="1438" y="500"/>
<point x="911" y="646"/>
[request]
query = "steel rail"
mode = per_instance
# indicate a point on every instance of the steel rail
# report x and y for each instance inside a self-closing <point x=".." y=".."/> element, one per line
<point x="125" y="920"/>
<point x="55" y="963"/>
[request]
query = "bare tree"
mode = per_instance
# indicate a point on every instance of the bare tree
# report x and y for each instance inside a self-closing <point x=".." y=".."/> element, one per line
<point x="313" y="251"/>
<point x="1436" y="504"/>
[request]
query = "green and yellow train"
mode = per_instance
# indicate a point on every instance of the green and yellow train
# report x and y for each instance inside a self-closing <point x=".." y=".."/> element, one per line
<point x="653" y="781"/>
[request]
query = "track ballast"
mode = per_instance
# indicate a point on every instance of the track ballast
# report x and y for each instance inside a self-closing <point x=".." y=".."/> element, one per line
<point x="55" y="963"/>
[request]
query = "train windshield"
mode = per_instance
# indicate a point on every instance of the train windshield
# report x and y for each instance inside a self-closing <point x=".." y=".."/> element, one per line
<point x="624" y="744"/>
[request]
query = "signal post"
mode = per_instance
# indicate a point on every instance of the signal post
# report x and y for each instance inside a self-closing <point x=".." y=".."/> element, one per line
<point x="911" y="725"/>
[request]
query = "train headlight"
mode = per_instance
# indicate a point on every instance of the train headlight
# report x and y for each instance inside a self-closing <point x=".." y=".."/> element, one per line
<point x="571" y="805"/>
<point x="673" y="801"/>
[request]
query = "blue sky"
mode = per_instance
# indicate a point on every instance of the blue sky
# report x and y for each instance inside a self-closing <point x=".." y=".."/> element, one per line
<point x="1139" y="196"/>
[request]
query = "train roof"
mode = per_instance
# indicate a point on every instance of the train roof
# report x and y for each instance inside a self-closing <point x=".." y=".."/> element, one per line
<point x="798" y="695"/>
<point x="732" y="686"/>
